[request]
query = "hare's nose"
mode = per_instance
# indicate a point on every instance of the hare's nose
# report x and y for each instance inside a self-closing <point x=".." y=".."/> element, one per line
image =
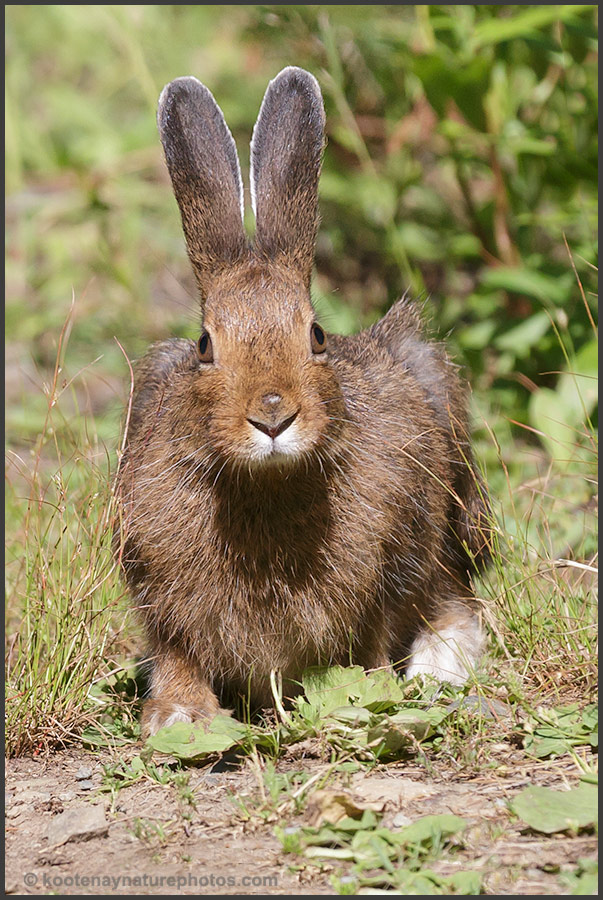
<point x="271" y="400"/>
<point x="273" y="429"/>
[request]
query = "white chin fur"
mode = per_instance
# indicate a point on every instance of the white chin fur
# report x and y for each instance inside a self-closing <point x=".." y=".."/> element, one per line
<point x="449" y="655"/>
<point x="285" y="448"/>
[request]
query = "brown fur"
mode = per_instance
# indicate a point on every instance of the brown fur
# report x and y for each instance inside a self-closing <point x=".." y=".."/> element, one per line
<point x="348" y="546"/>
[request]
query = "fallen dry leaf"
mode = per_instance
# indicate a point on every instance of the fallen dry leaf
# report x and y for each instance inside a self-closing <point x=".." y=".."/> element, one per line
<point x="330" y="807"/>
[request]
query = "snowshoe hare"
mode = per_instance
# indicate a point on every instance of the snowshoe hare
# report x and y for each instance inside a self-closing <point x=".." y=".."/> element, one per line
<point x="289" y="497"/>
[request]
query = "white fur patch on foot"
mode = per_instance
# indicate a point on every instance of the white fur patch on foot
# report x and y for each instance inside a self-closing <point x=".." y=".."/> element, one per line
<point x="178" y="714"/>
<point x="449" y="654"/>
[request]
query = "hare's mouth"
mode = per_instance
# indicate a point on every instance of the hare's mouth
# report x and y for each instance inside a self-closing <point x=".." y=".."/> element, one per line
<point x="278" y="443"/>
<point x="274" y="429"/>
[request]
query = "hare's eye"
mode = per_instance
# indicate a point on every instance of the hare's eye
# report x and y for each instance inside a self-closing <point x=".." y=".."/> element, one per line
<point x="318" y="339"/>
<point x="205" y="349"/>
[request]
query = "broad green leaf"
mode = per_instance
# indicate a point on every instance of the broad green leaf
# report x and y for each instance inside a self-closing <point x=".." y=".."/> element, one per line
<point x="137" y="764"/>
<point x="418" y="241"/>
<point x="418" y="718"/>
<point x="586" y="879"/>
<point x="381" y="690"/>
<point x="478" y="336"/>
<point x="587" y="885"/>
<point x="228" y="726"/>
<point x="555" y="731"/>
<point x="545" y="747"/>
<point x="373" y="850"/>
<point x="523" y="337"/>
<point x="352" y="715"/>
<point x="109" y="735"/>
<point x="187" y="740"/>
<point x="550" y="811"/>
<point x="334" y="689"/>
<point x="578" y="387"/>
<point x="468" y="883"/>
<point x="327" y="689"/>
<point x="394" y="733"/>
<point x="590" y="716"/>
<point x="426" y="882"/>
<point x="466" y="84"/>
<point x="429" y="827"/>
<point x="529" y="282"/>
<point x="343" y="831"/>
<point x="555" y="422"/>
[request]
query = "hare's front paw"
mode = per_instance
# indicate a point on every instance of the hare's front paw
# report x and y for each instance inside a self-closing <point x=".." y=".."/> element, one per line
<point x="157" y="714"/>
<point x="178" y="692"/>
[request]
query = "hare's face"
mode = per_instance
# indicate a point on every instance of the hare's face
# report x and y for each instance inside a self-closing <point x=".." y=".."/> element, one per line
<point x="264" y="362"/>
<point x="267" y="392"/>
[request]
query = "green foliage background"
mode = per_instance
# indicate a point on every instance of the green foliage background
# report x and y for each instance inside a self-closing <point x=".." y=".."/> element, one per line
<point x="461" y="158"/>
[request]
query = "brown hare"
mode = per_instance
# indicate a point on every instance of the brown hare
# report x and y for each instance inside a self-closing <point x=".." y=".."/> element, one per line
<point x="290" y="498"/>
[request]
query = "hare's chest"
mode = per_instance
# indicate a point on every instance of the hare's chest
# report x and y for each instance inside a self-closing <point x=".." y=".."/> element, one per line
<point x="274" y="626"/>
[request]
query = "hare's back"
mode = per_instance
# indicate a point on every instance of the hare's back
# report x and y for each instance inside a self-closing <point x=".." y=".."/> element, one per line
<point x="397" y="373"/>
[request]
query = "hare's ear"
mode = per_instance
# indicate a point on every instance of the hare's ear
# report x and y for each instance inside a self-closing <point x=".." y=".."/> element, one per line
<point x="204" y="167"/>
<point x="286" y="155"/>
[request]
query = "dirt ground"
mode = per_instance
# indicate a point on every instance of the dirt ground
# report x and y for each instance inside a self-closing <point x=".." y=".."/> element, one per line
<point x="217" y="852"/>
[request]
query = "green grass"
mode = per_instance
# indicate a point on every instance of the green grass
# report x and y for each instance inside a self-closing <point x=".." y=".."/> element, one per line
<point x="63" y="588"/>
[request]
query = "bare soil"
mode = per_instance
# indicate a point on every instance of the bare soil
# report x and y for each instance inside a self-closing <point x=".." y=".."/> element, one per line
<point x="216" y="851"/>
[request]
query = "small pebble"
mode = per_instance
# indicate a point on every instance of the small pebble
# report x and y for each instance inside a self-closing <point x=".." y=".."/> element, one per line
<point x="80" y="823"/>
<point x="400" y="820"/>
<point x="488" y="708"/>
<point x="67" y="796"/>
<point x="212" y="777"/>
<point x="14" y="811"/>
<point x="83" y="773"/>
<point x="86" y="785"/>
<point x="30" y="796"/>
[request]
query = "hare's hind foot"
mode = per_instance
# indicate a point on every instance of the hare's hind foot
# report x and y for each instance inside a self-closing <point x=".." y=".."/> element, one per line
<point x="178" y="693"/>
<point x="449" y="647"/>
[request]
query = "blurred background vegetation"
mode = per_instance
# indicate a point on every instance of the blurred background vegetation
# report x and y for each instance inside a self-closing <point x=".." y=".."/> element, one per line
<point x="462" y="157"/>
<point x="461" y="166"/>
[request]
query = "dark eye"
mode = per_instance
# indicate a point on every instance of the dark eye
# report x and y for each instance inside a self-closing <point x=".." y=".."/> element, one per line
<point x="205" y="349"/>
<point x="318" y="339"/>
